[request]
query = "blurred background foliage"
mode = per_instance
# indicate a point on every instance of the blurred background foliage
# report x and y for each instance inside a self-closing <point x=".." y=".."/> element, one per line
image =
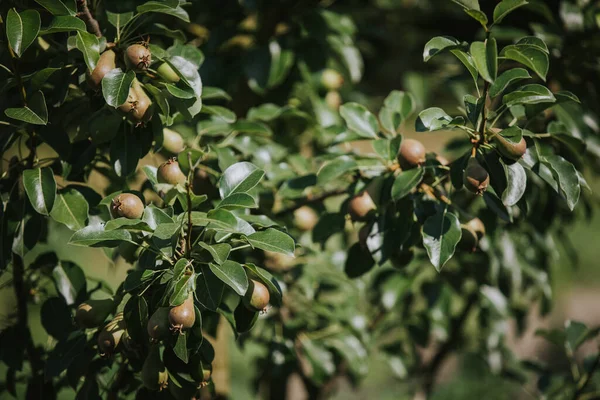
<point x="390" y="35"/>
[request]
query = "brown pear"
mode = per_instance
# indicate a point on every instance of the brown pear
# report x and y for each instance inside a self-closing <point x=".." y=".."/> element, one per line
<point x="476" y="179"/>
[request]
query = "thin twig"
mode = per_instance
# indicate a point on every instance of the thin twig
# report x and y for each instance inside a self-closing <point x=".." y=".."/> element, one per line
<point x="188" y="185"/>
<point x="84" y="13"/>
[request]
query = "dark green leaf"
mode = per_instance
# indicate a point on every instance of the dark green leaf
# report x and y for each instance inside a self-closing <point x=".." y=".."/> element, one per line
<point x="496" y="205"/>
<point x="219" y="252"/>
<point x="566" y="175"/>
<point x="239" y="178"/>
<point x="95" y="235"/>
<point x="360" y="120"/>
<point x="406" y="181"/>
<point x="506" y="78"/>
<point x="70" y="282"/>
<point x="529" y="94"/>
<point x="530" y="56"/>
<point x="115" y="86"/>
<point x="22" y="29"/>
<point x="273" y="240"/>
<point x="505" y="7"/>
<point x="169" y="7"/>
<point x="441" y="234"/>
<point x="473" y="106"/>
<point x="440" y="44"/>
<point x="70" y="208"/>
<point x="485" y="56"/>
<point x="209" y="289"/>
<point x="238" y="200"/>
<point x="432" y="119"/>
<point x="468" y="62"/>
<point x="56" y="318"/>
<point x="40" y="187"/>
<point x="89" y="46"/>
<point x="516" y="183"/>
<point x="35" y="112"/>
<point x="232" y="274"/>
<point x="64" y="23"/>
<point x="336" y="168"/>
<point x="59" y="7"/>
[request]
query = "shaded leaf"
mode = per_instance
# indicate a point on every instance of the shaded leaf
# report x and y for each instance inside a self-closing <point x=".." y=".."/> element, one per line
<point x="441" y="233"/>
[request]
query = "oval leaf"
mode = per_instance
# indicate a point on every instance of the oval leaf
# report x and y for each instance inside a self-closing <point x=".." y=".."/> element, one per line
<point x="22" y="29"/>
<point x="115" y="86"/>
<point x="40" y="187"/>
<point x="406" y="181"/>
<point x="239" y="178"/>
<point x="441" y="233"/>
<point x="232" y="274"/>
<point x="273" y="240"/>
<point x="359" y="120"/>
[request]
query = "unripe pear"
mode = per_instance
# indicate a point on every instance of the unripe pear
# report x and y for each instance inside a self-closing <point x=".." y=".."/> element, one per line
<point x="510" y="150"/>
<point x="154" y="373"/>
<point x="477" y="226"/>
<point x="305" y="218"/>
<point x="183" y="316"/>
<point x="110" y="336"/>
<point x="172" y="141"/>
<point x="93" y="313"/>
<point x="138" y="107"/>
<point x="331" y="79"/>
<point x="257" y="297"/>
<point x="333" y="99"/>
<point x="411" y="153"/>
<point x="360" y="206"/>
<point x="169" y="172"/>
<point x="476" y="179"/>
<point x="158" y="324"/>
<point x="105" y="63"/>
<point x="138" y="57"/>
<point x="127" y="205"/>
<point x="468" y="239"/>
<point x="167" y="73"/>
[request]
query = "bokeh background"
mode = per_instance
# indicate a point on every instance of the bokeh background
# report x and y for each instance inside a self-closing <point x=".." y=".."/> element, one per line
<point x="391" y="37"/>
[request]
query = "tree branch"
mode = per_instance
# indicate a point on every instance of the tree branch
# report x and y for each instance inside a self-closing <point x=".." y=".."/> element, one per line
<point x="84" y="13"/>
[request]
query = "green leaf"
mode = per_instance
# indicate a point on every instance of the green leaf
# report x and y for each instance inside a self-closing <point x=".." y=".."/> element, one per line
<point x="188" y="72"/>
<point x="239" y="178"/>
<point x="468" y="62"/>
<point x="34" y="113"/>
<point x="169" y="7"/>
<point x="56" y="318"/>
<point x="513" y="134"/>
<point x="397" y="107"/>
<point x="115" y="86"/>
<point x="40" y="187"/>
<point x="22" y="29"/>
<point x="89" y="46"/>
<point x="209" y="288"/>
<point x="406" y="181"/>
<point x="473" y="106"/>
<point x="180" y="93"/>
<point x="506" y="78"/>
<point x="273" y="240"/>
<point x="95" y="235"/>
<point x="497" y="206"/>
<point x="530" y="56"/>
<point x="336" y="168"/>
<point x="505" y="7"/>
<point x="238" y="200"/>
<point x="64" y="23"/>
<point x="232" y="274"/>
<point x="360" y="120"/>
<point x="533" y="41"/>
<point x="154" y="216"/>
<point x="59" y="7"/>
<point x="70" y="281"/>
<point x="182" y="289"/>
<point x="128" y="224"/>
<point x="215" y="93"/>
<point x="440" y="44"/>
<point x="441" y="233"/>
<point x="180" y="348"/>
<point x="119" y="20"/>
<point x="485" y="56"/>
<point x="219" y="252"/>
<point x="478" y="16"/>
<point x="70" y="208"/>
<point x="529" y="94"/>
<point x="433" y="119"/>
<point x="516" y="183"/>
<point x="468" y="4"/>
<point x="125" y="152"/>
<point x="387" y="148"/>
<point x="566" y="175"/>
<point x="220" y="113"/>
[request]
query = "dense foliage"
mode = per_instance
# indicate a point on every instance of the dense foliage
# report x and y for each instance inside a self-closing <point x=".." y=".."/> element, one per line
<point x="227" y="150"/>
